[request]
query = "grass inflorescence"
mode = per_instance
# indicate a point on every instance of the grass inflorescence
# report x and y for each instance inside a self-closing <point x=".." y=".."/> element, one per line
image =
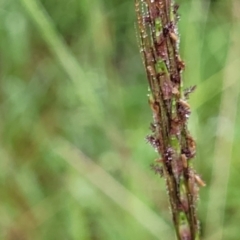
<point x="170" y="137"/>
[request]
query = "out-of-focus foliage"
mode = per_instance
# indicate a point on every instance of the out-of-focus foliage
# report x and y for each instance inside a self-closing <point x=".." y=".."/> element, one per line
<point x="71" y="75"/>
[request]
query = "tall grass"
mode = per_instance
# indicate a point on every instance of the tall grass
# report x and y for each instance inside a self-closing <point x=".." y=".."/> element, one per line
<point x="73" y="121"/>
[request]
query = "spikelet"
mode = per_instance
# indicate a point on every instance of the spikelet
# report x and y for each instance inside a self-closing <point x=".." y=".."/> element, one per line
<point x="159" y="46"/>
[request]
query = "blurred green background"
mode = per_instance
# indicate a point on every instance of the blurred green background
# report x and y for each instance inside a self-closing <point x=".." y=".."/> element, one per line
<point x="74" y="115"/>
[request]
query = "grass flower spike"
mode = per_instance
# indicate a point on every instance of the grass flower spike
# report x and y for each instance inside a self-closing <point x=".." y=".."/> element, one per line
<point x="159" y="45"/>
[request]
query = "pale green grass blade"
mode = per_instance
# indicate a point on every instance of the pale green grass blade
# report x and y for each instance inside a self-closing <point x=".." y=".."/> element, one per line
<point x="223" y="152"/>
<point x="84" y="85"/>
<point x="119" y="194"/>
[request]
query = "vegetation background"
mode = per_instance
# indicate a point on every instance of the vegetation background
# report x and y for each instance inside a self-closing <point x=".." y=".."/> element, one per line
<point x="74" y="115"/>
